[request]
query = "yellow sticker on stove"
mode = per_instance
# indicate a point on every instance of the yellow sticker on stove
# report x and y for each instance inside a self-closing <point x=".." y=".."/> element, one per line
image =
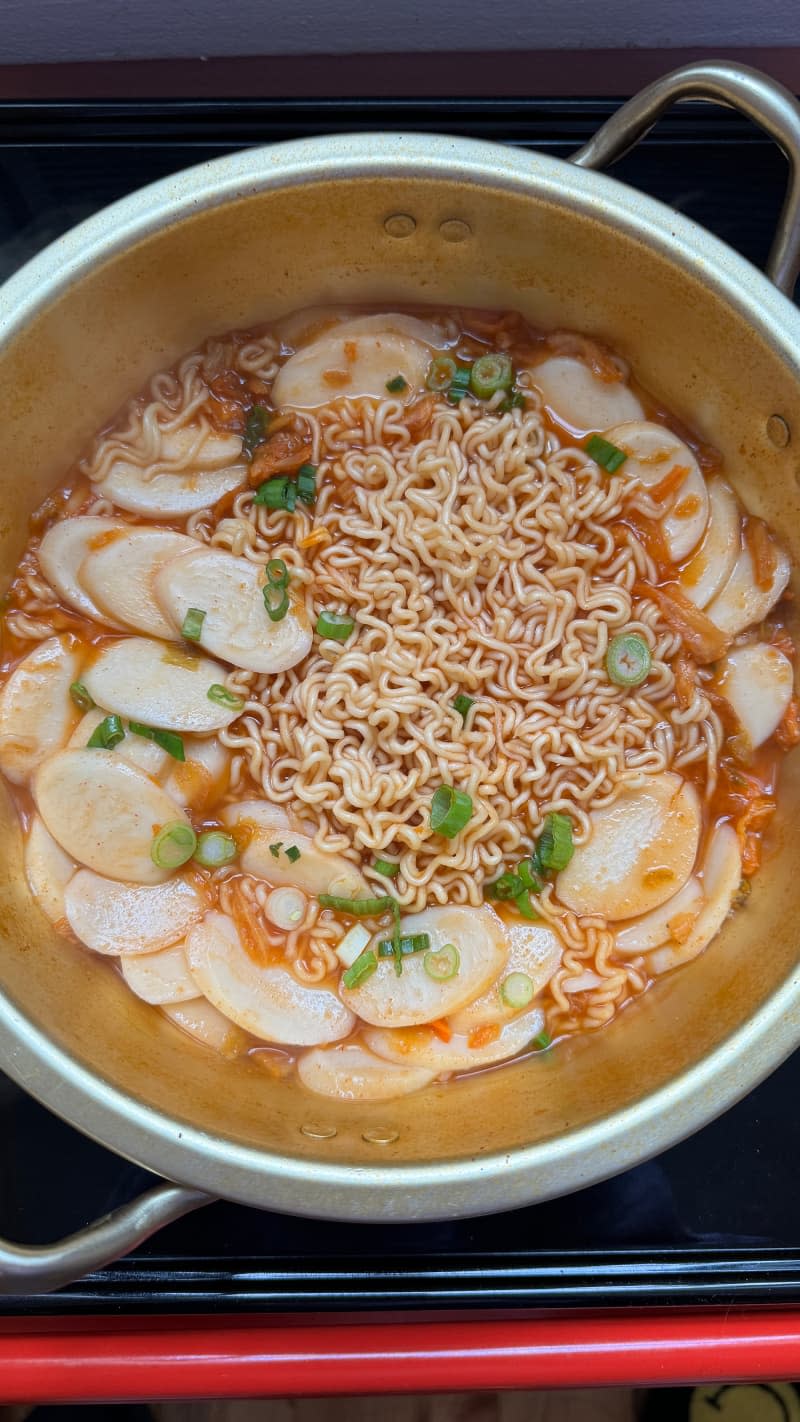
<point x="745" y="1402"/>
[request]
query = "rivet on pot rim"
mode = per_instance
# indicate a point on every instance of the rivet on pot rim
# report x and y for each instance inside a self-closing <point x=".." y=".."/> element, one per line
<point x="400" y="224"/>
<point x="380" y="1135"/>
<point x="453" y="229"/>
<point x="316" y="1132"/>
<point x="778" y="431"/>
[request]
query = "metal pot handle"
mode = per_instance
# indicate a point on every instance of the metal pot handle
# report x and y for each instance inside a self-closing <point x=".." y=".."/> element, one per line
<point x="36" y="1270"/>
<point x="739" y="87"/>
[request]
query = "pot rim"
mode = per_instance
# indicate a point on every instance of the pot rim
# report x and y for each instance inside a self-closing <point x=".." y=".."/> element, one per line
<point x="501" y="1180"/>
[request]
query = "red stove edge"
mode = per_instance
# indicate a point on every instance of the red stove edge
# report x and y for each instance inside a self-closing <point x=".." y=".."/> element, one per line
<point x="126" y="1359"/>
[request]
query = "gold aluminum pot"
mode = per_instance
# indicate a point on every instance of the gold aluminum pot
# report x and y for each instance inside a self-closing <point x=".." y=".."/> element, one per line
<point x="403" y="217"/>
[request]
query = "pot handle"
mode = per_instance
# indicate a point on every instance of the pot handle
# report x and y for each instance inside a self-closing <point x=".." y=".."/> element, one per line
<point x="27" y="1269"/>
<point x="736" y="86"/>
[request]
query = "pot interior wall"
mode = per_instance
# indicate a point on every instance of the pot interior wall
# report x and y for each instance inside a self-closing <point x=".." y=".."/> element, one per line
<point x="257" y="258"/>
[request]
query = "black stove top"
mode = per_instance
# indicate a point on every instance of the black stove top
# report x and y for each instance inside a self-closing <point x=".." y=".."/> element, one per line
<point x="713" y="1221"/>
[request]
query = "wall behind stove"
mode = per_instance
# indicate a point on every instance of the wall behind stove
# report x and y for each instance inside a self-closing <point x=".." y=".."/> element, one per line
<point x="42" y="31"/>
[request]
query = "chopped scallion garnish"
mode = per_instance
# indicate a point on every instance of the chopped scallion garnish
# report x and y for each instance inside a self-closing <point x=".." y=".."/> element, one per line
<point x="516" y="990"/>
<point x="277" y="493"/>
<point x="369" y="908"/>
<point x="307" y="483"/>
<point x="193" y="624"/>
<point x="397" y="385"/>
<point x="542" y="1042"/>
<point x="463" y="705"/>
<point x="255" y="430"/>
<point x="628" y="659"/>
<point x="276" y="848"/>
<point x="451" y="810"/>
<point x="386" y="867"/>
<point x="214" y="849"/>
<point x="107" y="735"/>
<point x="363" y="968"/>
<point x="443" y="963"/>
<point x="167" y="740"/>
<point x="174" y="844"/>
<point x="555" y="847"/>
<point x="224" y="697"/>
<point x="293" y="854"/>
<point x="336" y="626"/>
<point x="489" y="374"/>
<point x="81" y="697"/>
<point x="459" y="385"/>
<point x="440" y="375"/>
<point x="276" y="590"/>
<point x="411" y="943"/>
<point x="515" y="401"/>
<point x="606" y="454"/>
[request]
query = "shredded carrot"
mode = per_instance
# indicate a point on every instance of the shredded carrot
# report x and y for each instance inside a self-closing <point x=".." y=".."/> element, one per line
<point x="670" y="484"/>
<point x="762" y="550"/>
<point x="483" y="1036"/>
<point x="704" y="640"/>
<point x="684" y="671"/>
<point x="442" y="1029"/>
<point x="788" y="732"/>
<point x="649" y="534"/>
<point x="314" y="538"/>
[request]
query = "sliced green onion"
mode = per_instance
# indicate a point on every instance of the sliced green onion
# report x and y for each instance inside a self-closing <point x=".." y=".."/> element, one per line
<point x="542" y="1042"/>
<point x="293" y="854"/>
<point x="459" y="385"/>
<point x="508" y="886"/>
<point x="363" y="968"/>
<point x="628" y="659"/>
<point x="517" y="990"/>
<point x="441" y="373"/>
<point x="277" y="573"/>
<point x="215" y="848"/>
<point x="515" y="401"/>
<point x="173" y="845"/>
<point x="359" y="908"/>
<point x="386" y="867"/>
<point x="411" y="943"/>
<point x="276" y="848"/>
<point x="81" y="697"/>
<point x="107" y="735"/>
<point x="276" y="602"/>
<point x="369" y="908"/>
<point x="451" y="810"/>
<point x="397" y="385"/>
<point x="337" y="626"/>
<point x="307" y="483"/>
<point x="524" y="871"/>
<point x="277" y="493"/>
<point x="489" y="374"/>
<point x="255" y="430"/>
<point x="442" y="963"/>
<point x="463" y="705"/>
<point x="224" y="697"/>
<point x="193" y="624"/>
<point x="525" y="907"/>
<point x="606" y="454"/>
<point x="554" y="847"/>
<point x="167" y="740"/>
